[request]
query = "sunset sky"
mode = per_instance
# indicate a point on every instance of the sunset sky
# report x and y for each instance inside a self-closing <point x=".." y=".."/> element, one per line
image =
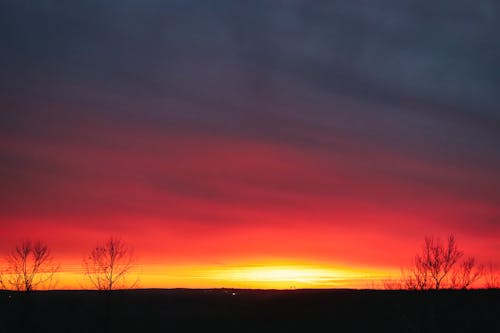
<point x="250" y="143"/>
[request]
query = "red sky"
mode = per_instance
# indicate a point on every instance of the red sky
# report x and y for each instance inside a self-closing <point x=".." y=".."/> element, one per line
<point x="243" y="146"/>
<point x="213" y="202"/>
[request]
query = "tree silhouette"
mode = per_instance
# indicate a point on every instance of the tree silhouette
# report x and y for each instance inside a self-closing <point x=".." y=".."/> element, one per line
<point x="438" y="265"/>
<point x="30" y="266"/>
<point x="465" y="274"/>
<point x="491" y="276"/>
<point x="108" y="265"/>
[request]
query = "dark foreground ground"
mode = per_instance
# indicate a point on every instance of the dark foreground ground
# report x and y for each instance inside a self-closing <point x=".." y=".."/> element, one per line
<point x="230" y="310"/>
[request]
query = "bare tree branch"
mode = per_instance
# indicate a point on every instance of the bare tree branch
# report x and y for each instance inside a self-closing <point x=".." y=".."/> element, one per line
<point x="491" y="276"/>
<point x="466" y="274"/>
<point x="30" y="266"/>
<point x="438" y="259"/>
<point x="439" y="265"/>
<point x="108" y="265"/>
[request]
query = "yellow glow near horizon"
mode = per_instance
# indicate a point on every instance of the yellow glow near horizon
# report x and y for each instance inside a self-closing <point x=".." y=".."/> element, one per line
<point x="266" y="275"/>
<point x="273" y="274"/>
<point x="293" y="274"/>
<point x="288" y="276"/>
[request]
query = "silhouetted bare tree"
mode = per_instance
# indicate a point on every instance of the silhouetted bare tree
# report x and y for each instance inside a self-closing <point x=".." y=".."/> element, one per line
<point x="108" y="265"/>
<point x="416" y="277"/>
<point x="438" y="265"/>
<point x="465" y="274"/>
<point x="438" y="259"/>
<point x="30" y="266"/>
<point x="491" y="276"/>
<point x="392" y="284"/>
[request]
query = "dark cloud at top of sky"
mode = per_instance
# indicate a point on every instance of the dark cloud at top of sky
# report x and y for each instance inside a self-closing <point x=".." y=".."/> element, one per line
<point x="274" y="69"/>
<point x="437" y="55"/>
<point x="411" y="77"/>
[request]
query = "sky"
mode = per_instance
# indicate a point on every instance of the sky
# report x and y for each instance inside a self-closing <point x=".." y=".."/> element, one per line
<point x="250" y="143"/>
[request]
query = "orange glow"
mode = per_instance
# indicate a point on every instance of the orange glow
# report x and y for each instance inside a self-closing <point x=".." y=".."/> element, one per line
<point x="242" y="214"/>
<point x="269" y="275"/>
<point x="290" y="276"/>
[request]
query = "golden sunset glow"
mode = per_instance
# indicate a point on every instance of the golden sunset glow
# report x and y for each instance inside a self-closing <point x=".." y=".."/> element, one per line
<point x="254" y="276"/>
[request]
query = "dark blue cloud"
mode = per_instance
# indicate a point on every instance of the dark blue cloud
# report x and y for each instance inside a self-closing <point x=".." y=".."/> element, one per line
<point x="411" y="78"/>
